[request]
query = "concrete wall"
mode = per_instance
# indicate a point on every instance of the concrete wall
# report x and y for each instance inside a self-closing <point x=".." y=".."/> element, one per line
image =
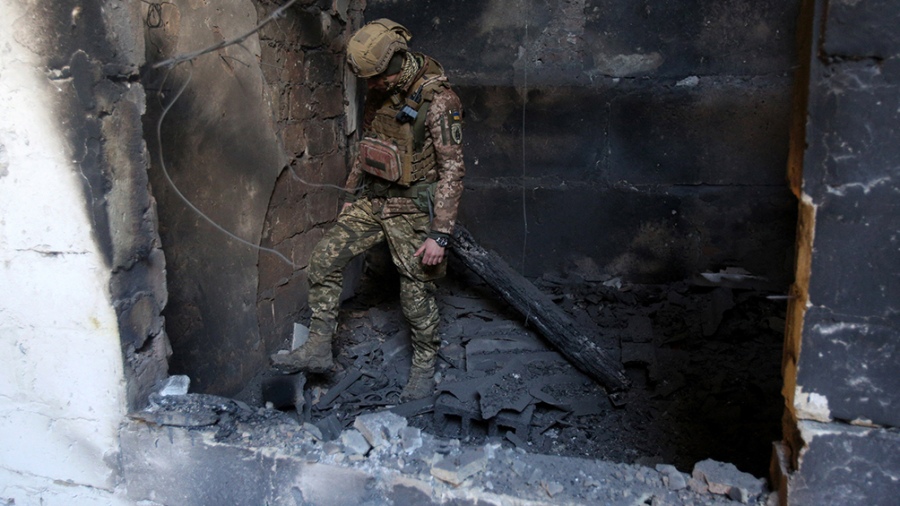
<point x="840" y="366"/>
<point x="81" y="339"/>
<point x="661" y="125"/>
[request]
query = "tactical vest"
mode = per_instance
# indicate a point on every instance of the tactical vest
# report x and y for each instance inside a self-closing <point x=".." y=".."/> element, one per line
<point x="400" y="151"/>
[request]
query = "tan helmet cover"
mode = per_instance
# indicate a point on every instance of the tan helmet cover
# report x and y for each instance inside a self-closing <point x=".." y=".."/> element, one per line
<point x="371" y="47"/>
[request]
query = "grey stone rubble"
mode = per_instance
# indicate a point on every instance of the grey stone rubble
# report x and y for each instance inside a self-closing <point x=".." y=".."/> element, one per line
<point x="704" y="361"/>
<point x="511" y="418"/>
<point x="395" y="462"/>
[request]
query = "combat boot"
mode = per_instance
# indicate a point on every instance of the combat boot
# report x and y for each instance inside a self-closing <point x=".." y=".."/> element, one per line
<point x="313" y="356"/>
<point x="420" y="384"/>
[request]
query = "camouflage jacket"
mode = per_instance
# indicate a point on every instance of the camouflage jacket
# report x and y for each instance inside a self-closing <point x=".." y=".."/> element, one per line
<point x="443" y="130"/>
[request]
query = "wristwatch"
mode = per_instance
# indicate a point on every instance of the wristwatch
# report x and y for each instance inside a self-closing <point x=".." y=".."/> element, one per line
<point x="442" y="240"/>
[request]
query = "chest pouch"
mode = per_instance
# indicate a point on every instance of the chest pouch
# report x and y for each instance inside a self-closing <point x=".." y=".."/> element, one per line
<point x="380" y="158"/>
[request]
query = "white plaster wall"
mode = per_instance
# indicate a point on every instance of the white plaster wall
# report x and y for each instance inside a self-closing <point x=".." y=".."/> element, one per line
<point x="61" y="374"/>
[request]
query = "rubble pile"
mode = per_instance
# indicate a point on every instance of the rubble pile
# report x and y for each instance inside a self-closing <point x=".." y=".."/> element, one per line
<point x="703" y="358"/>
<point x="512" y="417"/>
<point x="409" y="466"/>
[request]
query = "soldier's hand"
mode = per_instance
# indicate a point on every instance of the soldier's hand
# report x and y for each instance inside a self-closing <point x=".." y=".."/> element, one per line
<point x="431" y="252"/>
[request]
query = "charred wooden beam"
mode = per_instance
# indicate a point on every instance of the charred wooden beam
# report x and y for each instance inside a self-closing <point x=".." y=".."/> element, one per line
<point x="554" y="324"/>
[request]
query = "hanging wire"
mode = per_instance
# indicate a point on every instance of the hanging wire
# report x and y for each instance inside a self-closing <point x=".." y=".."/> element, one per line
<point x="187" y="202"/>
<point x="188" y="57"/>
<point x="225" y="43"/>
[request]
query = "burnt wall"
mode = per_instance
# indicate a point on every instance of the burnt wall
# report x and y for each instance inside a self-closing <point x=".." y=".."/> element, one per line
<point x="842" y="342"/>
<point x="229" y="130"/>
<point x="92" y="52"/>
<point x="649" y="137"/>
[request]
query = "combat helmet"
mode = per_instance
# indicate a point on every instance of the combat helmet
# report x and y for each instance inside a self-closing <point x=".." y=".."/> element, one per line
<point x="371" y="47"/>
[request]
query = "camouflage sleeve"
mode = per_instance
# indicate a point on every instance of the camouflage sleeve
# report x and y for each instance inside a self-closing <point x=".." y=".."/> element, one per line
<point x="353" y="181"/>
<point x="444" y="122"/>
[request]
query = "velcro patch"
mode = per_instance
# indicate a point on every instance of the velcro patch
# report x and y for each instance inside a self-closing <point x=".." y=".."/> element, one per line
<point x="455" y="126"/>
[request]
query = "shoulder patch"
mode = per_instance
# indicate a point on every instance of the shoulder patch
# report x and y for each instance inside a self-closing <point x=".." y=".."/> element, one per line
<point x="455" y="118"/>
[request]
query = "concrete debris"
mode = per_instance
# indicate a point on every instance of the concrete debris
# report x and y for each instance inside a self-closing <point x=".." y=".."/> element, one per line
<point x="456" y="469"/>
<point x="313" y="431"/>
<point x="725" y="479"/>
<point x="355" y="443"/>
<point x="330" y="427"/>
<point x="380" y="428"/>
<point x="501" y="388"/>
<point x="300" y="336"/>
<point x="689" y="81"/>
<point x="410" y="439"/>
<point x="175" y="385"/>
<point x="672" y="477"/>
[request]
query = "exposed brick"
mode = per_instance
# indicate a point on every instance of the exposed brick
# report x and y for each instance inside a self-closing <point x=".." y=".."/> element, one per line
<point x="302" y="246"/>
<point x="322" y="206"/>
<point x="312" y="33"/>
<point x="334" y="169"/>
<point x="276" y="95"/>
<point x="329" y="101"/>
<point x="294" y="135"/>
<point x="290" y="298"/>
<point x="272" y="59"/>
<point x="272" y="270"/>
<point x="295" y="67"/>
<point x="299" y="105"/>
<point x="322" y="137"/>
<point x="324" y="68"/>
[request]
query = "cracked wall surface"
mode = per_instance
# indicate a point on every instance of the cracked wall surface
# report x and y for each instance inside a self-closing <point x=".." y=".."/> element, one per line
<point x="663" y="125"/>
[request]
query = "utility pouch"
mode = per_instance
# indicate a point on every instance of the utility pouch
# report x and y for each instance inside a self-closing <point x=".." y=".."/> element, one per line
<point x="380" y="158"/>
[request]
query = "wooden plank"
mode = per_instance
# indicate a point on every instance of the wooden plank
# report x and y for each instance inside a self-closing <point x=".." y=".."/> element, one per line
<point x="541" y="312"/>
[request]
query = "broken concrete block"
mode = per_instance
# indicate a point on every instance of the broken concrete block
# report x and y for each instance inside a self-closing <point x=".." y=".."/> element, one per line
<point x="410" y="439"/>
<point x="456" y="469"/>
<point x="380" y="428"/>
<point x="726" y="479"/>
<point x="330" y="426"/>
<point x="175" y="385"/>
<point x="313" y="431"/>
<point x="672" y="477"/>
<point x="354" y="442"/>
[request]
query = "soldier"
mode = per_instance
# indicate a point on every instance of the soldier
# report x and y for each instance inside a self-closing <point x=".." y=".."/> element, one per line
<point x="404" y="188"/>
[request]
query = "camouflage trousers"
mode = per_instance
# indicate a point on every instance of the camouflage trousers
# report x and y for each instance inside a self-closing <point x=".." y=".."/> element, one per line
<point x="358" y="228"/>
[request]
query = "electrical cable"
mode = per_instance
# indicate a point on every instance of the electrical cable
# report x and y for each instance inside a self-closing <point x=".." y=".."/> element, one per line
<point x="225" y="43"/>
<point x="187" y="202"/>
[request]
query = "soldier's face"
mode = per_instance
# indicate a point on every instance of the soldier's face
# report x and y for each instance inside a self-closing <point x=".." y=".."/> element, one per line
<point x="382" y="82"/>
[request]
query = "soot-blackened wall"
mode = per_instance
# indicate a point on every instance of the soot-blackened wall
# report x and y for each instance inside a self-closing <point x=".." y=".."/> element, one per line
<point x="649" y="138"/>
<point x="250" y="115"/>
